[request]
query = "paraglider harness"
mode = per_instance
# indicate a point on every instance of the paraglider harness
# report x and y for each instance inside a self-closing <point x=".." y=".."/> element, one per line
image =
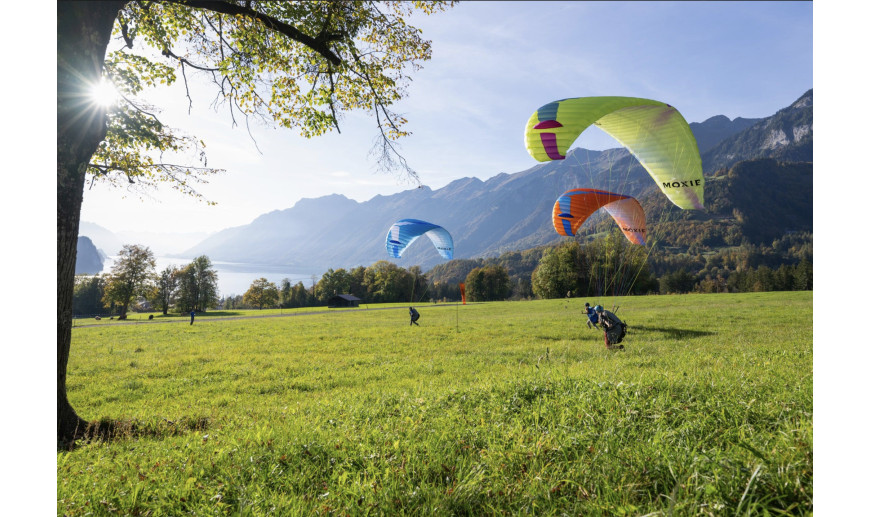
<point x="414" y="315"/>
<point x="614" y="330"/>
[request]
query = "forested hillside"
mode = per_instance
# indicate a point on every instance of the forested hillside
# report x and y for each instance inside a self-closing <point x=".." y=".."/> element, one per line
<point x="759" y="214"/>
<point x="754" y="201"/>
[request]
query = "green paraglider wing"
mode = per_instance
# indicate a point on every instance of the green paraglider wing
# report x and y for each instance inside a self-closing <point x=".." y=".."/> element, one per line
<point x="654" y="132"/>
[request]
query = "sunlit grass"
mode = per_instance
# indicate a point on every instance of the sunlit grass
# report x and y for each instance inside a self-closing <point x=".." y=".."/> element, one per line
<point x="512" y="407"/>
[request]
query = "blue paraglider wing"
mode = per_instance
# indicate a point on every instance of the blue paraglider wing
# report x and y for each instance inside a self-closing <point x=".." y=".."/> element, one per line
<point x="406" y="231"/>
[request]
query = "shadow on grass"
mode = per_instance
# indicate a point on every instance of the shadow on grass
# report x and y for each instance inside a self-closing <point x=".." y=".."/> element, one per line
<point x="106" y="430"/>
<point x="672" y="333"/>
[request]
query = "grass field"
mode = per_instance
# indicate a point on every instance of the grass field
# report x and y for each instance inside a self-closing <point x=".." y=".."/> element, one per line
<point x="491" y="408"/>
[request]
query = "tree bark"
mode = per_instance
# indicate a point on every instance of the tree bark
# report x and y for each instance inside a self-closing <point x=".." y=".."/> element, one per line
<point x="83" y="33"/>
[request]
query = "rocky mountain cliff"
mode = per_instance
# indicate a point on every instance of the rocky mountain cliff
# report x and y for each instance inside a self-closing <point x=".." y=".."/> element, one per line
<point x="786" y="136"/>
<point x="88" y="259"/>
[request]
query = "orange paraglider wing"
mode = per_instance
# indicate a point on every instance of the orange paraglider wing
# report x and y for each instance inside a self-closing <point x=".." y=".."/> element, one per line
<point x="575" y="206"/>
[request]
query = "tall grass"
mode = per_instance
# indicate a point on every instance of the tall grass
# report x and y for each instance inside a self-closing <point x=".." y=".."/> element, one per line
<point x="494" y="408"/>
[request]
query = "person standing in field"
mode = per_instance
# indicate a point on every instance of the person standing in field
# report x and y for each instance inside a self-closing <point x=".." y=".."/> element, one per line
<point x="614" y="328"/>
<point x="192" y="314"/>
<point x="414" y="316"/>
<point x="591" y="317"/>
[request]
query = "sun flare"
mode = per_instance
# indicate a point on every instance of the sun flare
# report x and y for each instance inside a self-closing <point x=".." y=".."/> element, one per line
<point x="104" y="93"/>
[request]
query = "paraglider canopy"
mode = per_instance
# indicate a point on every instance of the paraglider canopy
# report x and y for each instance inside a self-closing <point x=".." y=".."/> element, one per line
<point x="575" y="206"/>
<point x="654" y="132"/>
<point x="405" y="231"/>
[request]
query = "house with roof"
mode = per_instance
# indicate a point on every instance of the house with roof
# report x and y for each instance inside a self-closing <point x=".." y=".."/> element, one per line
<point x="344" y="300"/>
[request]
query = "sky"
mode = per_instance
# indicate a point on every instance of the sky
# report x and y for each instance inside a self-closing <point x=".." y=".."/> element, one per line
<point x="493" y="64"/>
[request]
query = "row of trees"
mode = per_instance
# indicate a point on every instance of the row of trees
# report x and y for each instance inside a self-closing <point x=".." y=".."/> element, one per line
<point x="382" y="282"/>
<point x="606" y="266"/>
<point x="610" y="265"/>
<point x="572" y="268"/>
<point x="786" y="277"/>
<point x="133" y="283"/>
<point x="483" y="283"/>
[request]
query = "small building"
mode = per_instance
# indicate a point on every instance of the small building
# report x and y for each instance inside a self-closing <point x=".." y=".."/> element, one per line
<point x="344" y="300"/>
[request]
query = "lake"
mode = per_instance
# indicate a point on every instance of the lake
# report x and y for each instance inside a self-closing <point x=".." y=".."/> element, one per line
<point x="234" y="278"/>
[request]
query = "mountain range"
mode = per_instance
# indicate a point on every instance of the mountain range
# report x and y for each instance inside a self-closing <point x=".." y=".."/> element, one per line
<point x="511" y="212"/>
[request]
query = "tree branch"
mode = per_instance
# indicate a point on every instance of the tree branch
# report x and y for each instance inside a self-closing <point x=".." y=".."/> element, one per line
<point x="318" y="44"/>
<point x="378" y="104"/>
<point x="128" y="40"/>
<point x="332" y="99"/>
<point x="183" y="61"/>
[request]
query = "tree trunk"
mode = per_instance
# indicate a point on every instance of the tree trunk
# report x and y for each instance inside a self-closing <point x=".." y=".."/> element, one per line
<point x="83" y="32"/>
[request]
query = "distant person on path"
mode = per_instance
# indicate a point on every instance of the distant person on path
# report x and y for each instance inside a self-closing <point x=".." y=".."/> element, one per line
<point x="192" y="314"/>
<point x="592" y="320"/>
<point x="614" y="328"/>
<point x="414" y="316"/>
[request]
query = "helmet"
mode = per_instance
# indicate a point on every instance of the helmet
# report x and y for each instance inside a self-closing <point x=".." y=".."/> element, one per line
<point x="587" y="304"/>
<point x="599" y="308"/>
